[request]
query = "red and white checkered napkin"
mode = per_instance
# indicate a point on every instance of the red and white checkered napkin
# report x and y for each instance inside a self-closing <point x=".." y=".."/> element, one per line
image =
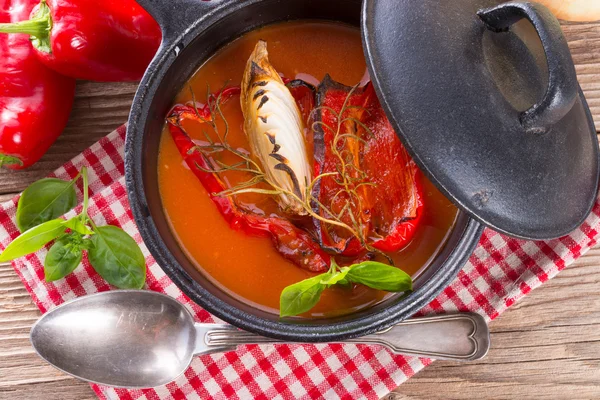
<point x="501" y="271"/>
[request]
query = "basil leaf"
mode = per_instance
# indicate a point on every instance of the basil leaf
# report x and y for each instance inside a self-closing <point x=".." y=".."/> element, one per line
<point x="33" y="240"/>
<point x="43" y="201"/>
<point x="302" y="296"/>
<point x="345" y="283"/>
<point x="117" y="258"/>
<point x="336" y="277"/>
<point x="76" y="225"/>
<point x="380" y="276"/>
<point x="62" y="259"/>
<point x="86" y="244"/>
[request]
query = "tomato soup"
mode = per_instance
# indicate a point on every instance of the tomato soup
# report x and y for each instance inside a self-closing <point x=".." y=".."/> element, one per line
<point x="249" y="267"/>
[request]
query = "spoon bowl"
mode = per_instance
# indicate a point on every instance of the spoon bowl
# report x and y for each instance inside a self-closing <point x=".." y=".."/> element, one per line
<point x="125" y="338"/>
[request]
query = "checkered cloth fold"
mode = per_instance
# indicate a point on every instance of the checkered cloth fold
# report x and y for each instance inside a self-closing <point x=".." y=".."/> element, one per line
<point x="500" y="272"/>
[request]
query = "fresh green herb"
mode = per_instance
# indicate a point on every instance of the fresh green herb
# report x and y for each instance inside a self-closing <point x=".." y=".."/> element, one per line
<point x="77" y="225"/>
<point x="345" y="283"/>
<point x="33" y="240"/>
<point x="62" y="259"/>
<point x="304" y="295"/>
<point x="117" y="258"/>
<point x="380" y="276"/>
<point x="45" y="200"/>
<point x="111" y="251"/>
<point x="336" y="277"/>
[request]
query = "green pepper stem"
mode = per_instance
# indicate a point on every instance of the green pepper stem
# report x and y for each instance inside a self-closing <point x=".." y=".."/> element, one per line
<point x="9" y="160"/>
<point x="33" y="27"/>
<point x="38" y="27"/>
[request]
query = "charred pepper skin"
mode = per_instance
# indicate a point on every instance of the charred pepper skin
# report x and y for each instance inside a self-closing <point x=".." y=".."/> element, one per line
<point x="107" y="41"/>
<point x="35" y="102"/>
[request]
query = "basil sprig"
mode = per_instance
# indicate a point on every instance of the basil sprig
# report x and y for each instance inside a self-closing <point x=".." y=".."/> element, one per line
<point x="111" y="251"/>
<point x="304" y="295"/>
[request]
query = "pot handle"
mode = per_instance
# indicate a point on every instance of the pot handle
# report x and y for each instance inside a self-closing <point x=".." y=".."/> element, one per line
<point x="562" y="88"/>
<point x="176" y="16"/>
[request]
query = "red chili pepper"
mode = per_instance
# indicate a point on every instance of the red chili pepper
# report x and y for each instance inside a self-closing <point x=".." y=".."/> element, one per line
<point x="109" y="40"/>
<point x="291" y="242"/>
<point x="391" y="202"/>
<point x="35" y="101"/>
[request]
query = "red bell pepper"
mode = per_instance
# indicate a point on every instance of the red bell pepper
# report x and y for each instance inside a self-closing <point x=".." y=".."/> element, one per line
<point x="202" y="113"/>
<point x="389" y="207"/>
<point x="109" y="40"/>
<point x="293" y="243"/>
<point x="304" y="94"/>
<point x="35" y="101"/>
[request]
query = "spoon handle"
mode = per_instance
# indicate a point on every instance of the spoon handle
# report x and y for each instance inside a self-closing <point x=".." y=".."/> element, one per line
<point x="458" y="337"/>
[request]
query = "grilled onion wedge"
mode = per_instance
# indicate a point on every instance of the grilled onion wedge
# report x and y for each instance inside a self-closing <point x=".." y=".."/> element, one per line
<point x="275" y="130"/>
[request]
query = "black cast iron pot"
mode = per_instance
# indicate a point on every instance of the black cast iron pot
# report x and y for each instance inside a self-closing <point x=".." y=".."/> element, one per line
<point x="193" y="30"/>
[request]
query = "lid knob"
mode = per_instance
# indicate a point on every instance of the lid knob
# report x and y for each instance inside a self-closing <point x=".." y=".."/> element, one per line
<point x="562" y="83"/>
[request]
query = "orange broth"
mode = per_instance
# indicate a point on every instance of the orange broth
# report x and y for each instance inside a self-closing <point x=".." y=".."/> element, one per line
<point x="249" y="267"/>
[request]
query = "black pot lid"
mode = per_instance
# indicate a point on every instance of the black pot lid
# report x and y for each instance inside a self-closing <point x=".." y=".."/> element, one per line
<point x="501" y="129"/>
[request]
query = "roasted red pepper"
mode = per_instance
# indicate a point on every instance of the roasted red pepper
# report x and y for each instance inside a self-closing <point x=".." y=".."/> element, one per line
<point x="109" y="40"/>
<point x="293" y="243"/>
<point x="388" y="205"/>
<point x="202" y="112"/>
<point x="35" y="101"/>
<point x="304" y="94"/>
<point x="301" y="91"/>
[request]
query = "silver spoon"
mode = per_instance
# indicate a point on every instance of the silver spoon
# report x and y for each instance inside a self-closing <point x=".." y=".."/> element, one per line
<point x="140" y="339"/>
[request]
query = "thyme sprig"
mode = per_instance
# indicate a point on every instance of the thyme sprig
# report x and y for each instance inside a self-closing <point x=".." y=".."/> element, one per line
<point x="348" y="175"/>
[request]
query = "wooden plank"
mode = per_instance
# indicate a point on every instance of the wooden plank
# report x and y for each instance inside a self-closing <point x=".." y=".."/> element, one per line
<point x="58" y="390"/>
<point x="23" y="375"/>
<point x="584" y="42"/>
<point x="546" y="346"/>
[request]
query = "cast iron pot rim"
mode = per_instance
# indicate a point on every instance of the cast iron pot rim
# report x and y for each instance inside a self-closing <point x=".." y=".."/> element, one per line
<point x="367" y="324"/>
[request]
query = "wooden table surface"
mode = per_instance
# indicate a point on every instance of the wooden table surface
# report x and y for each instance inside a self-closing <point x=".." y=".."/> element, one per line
<point x="545" y="347"/>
